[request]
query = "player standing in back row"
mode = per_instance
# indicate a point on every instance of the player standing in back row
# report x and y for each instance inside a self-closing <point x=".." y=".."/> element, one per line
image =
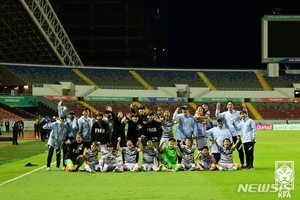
<point x="228" y="117"/>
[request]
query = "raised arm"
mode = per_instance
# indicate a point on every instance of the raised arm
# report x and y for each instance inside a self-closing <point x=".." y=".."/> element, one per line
<point x="118" y="144"/>
<point x="237" y="143"/>
<point x="198" y="155"/>
<point x="217" y="144"/>
<point x="176" y="113"/>
<point x="217" y="113"/>
<point x="60" y="109"/>
<point x="139" y="144"/>
<point x="179" y="152"/>
<point x="160" y="148"/>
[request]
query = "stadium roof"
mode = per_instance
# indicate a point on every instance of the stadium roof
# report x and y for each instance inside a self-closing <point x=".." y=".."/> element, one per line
<point x="30" y="32"/>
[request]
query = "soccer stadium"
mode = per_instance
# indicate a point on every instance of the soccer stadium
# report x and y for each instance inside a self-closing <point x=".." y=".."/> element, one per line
<point x="48" y="73"/>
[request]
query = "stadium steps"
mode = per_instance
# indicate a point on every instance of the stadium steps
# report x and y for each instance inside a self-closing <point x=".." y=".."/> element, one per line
<point x="253" y="111"/>
<point x="206" y="81"/>
<point x="141" y="80"/>
<point x="85" y="78"/>
<point x="263" y="81"/>
<point x="85" y="104"/>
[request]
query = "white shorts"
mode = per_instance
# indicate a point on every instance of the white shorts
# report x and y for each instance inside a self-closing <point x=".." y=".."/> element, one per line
<point x="129" y="166"/>
<point x="188" y="165"/>
<point x="226" y="165"/>
<point x="149" y="167"/>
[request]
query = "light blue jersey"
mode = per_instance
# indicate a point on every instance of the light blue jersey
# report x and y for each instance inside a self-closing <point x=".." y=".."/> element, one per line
<point x="248" y="128"/>
<point x="186" y="127"/>
<point x="220" y="132"/>
<point x="85" y="127"/>
<point x="57" y="134"/>
<point x="228" y="117"/>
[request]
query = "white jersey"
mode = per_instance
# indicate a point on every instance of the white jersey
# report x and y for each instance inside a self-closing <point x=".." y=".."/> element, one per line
<point x="92" y="156"/>
<point x="226" y="155"/>
<point x="148" y="155"/>
<point x="130" y="155"/>
<point x="188" y="154"/>
<point x="205" y="160"/>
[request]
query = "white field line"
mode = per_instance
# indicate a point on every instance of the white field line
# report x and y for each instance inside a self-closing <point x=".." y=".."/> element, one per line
<point x="11" y="180"/>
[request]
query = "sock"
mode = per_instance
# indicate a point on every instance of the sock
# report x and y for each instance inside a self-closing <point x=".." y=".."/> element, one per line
<point x="220" y="168"/>
<point x="177" y="168"/>
<point x="87" y="168"/>
<point x="154" y="167"/>
<point x="135" y="168"/>
<point x="105" y="167"/>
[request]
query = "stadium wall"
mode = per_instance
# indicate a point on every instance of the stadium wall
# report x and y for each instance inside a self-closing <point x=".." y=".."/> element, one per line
<point x="81" y="91"/>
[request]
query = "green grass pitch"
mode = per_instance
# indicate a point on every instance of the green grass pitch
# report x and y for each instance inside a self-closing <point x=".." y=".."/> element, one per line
<point x="19" y="182"/>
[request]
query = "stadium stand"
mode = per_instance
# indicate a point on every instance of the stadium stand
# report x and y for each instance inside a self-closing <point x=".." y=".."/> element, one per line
<point x="112" y="78"/>
<point x="45" y="75"/>
<point x="169" y="78"/>
<point x="233" y="80"/>
<point x="278" y="110"/>
<point x="285" y="81"/>
<point x="4" y="114"/>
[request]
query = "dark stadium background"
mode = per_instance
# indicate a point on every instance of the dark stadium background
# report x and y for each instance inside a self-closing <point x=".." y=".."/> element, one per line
<point x="193" y="34"/>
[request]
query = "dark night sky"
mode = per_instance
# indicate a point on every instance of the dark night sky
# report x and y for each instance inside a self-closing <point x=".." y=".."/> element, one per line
<point x="220" y="34"/>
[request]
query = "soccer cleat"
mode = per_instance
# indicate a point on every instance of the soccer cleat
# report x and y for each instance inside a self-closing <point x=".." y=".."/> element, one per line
<point x="224" y="169"/>
<point x="143" y="169"/>
<point x="48" y="168"/>
<point x="232" y="169"/>
<point x="116" y="169"/>
<point x="82" y="168"/>
<point x="244" y="166"/>
<point x="103" y="171"/>
<point x="57" y="169"/>
<point x="251" y="168"/>
<point x="192" y="168"/>
<point x="92" y="171"/>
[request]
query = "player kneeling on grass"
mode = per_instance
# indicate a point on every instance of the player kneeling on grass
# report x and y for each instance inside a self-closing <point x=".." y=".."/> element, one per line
<point x="91" y="157"/>
<point x="226" y="155"/>
<point x="111" y="161"/>
<point x="150" y="153"/>
<point x="75" y="154"/>
<point x="130" y="152"/>
<point x="170" y="154"/>
<point x="188" y="161"/>
<point x="206" y="160"/>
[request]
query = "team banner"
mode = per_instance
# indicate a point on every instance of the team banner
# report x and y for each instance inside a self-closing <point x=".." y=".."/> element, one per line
<point x="98" y="98"/>
<point x="264" y="127"/>
<point x="218" y="99"/>
<point x="272" y="100"/>
<point x="163" y="99"/>
<point x="290" y="127"/>
<point x="66" y="98"/>
<point x="18" y="101"/>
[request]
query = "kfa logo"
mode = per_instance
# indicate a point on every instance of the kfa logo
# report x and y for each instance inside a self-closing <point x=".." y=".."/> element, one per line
<point x="284" y="178"/>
